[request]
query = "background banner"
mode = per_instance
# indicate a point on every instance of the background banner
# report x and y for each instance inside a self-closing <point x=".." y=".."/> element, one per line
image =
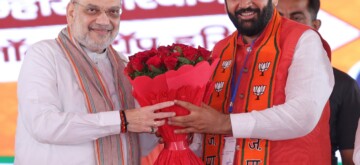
<point x="145" y="24"/>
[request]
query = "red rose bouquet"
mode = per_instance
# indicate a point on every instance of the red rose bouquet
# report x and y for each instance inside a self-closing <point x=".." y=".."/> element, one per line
<point x="175" y="72"/>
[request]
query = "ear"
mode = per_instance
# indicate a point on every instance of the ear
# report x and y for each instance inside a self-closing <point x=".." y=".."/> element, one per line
<point x="70" y="12"/>
<point x="316" y="24"/>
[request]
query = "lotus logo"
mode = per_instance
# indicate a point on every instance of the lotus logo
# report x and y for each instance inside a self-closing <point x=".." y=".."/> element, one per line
<point x="259" y="90"/>
<point x="226" y="64"/>
<point x="263" y="66"/>
<point x="218" y="87"/>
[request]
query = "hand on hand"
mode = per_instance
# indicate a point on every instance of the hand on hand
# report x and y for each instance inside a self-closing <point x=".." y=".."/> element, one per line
<point x="145" y="119"/>
<point x="204" y="119"/>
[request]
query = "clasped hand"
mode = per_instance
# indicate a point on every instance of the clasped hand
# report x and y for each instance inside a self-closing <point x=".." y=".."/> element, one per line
<point x="202" y="119"/>
<point x="145" y="119"/>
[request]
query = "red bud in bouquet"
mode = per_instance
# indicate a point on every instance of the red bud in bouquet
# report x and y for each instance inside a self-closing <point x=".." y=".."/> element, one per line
<point x="154" y="63"/>
<point x="190" y="53"/>
<point x="137" y="64"/>
<point x="204" y="53"/>
<point x="170" y="62"/>
<point x="164" y="50"/>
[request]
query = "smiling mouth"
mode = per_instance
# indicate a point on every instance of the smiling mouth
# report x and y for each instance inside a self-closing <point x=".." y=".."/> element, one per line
<point x="100" y="31"/>
<point x="246" y="14"/>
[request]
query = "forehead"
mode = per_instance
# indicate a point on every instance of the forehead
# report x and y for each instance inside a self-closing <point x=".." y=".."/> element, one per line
<point x="292" y="5"/>
<point x="254" y="1"/>
<point x="104" y="3"/>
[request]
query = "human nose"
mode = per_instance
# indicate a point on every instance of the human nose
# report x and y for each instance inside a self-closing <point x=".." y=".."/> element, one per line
<point x="103" y="19"/>
<point x="245" y="3"/>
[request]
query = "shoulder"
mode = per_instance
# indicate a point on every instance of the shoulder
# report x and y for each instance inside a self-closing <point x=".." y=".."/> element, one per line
<point x="123" y="57"/>
<point x="310" y="35"/>
<point x="294" y="30"/>
<point x="43" y="48"/>
<point x="220" y="45"/>
<point x="342" y="75"/>
<point x="45" y="44"/>
<point x="226" y="39"/>
<point x="343" y="80"/>
<point x="222" y="42"/>
<point x="41" y="58"/>
<point x="290" y="26"/>
<point x="291" y="31"/>
<point x="43" y="52"/>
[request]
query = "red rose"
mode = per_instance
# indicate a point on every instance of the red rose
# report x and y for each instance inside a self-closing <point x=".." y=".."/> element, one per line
<point x="151" y="52"/>
<point x="170" y="62"/>
<point x="129" y="69"/>
<point x="159" y="60"/>
<point x="162" y="54"/>
<point x="175" y="54"/>
<point x="154" y="61"/>
<point x="190" y="53"/>
<point x="204" y="53"/>
<point x="137" y="64"/>
<point x="164" y="50"/>
<point x="179" y="46"/>
<point x="144" y="56"/>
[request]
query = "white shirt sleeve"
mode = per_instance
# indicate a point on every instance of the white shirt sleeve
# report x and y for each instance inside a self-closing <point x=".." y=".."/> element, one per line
<point x="356" y="156"/>
<point x="51" y="107"/>
<point x="308" y="88"/>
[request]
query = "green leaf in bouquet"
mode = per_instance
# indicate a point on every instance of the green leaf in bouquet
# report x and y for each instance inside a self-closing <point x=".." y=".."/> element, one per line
<point x="178" y="49"/>
<point x="156" y="70"/>
<point x="183" y="60"/>
<point x="199" y="59"/>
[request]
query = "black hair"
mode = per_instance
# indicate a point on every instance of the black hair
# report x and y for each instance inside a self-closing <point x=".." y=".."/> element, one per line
<point x="314" y="7"/>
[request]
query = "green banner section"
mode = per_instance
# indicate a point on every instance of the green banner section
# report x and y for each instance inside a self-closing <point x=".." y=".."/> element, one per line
<point x="6" y="159"/>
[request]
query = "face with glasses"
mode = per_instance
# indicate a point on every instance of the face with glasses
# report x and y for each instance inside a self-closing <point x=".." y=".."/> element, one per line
<point x="93" y="23"/>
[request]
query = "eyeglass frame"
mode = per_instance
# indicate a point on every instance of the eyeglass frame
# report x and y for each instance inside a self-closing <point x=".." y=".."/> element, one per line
<point x="98" y="10"/>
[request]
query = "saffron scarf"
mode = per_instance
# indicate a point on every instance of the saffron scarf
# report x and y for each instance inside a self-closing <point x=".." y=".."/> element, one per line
<point x="109" y="149"/>
<point x="258" y="96"/>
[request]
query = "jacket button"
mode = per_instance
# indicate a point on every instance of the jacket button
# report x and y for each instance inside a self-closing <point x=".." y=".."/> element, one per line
<point x="249" y="49"/>
<point x="245" y="70"/>
<point x="237" y="147"/>
<point x="241" y="96"/>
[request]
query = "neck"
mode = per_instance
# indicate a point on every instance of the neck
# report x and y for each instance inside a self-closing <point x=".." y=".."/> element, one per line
<point x="99" y="52"/>
<point x="249" y="39"/>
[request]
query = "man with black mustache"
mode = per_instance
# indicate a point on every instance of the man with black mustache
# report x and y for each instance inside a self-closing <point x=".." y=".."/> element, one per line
<point x="271" y="105"/>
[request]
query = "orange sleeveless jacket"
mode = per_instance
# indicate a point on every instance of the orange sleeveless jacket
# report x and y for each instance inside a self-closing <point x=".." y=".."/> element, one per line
<point x="313" y="148"/>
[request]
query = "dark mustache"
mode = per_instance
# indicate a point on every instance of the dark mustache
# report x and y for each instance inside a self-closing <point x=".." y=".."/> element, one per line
<point x="247" y="10"/>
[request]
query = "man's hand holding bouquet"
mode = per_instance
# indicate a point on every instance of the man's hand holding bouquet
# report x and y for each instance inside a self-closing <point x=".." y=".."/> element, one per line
<point x="175" y="72"/>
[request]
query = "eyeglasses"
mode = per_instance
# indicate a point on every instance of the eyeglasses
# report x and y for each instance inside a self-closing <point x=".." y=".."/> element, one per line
<point x="93" y="10"/>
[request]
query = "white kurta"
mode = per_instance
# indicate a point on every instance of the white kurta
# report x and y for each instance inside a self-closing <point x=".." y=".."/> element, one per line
<point x="53" y="124"/>
<point x="356" y="156"/>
